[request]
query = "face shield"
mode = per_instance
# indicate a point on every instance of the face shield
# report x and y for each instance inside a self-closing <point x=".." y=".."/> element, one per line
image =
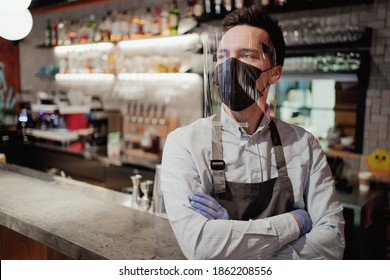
<point x="234" y="66"/>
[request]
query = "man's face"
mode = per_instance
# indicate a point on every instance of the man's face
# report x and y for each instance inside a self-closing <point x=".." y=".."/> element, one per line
<point x="246" y="43"/>
<point x="251" y="46"/>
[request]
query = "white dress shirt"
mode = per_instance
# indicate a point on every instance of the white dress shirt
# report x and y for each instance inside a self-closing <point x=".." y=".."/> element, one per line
<point x="250" y="158"/>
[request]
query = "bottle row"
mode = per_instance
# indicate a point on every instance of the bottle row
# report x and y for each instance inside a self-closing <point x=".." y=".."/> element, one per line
<point x="110" y="64"/>
<point x="339" y="62"/>
<point x="120" y="25"/>
<point x="316" y="31"/>
<point x="114" y="26"/>
<point x="174" y="54"/>
<point x="86" y="63"/>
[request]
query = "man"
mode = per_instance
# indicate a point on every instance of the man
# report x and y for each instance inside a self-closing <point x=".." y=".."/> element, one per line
<point x="241" y="184"/>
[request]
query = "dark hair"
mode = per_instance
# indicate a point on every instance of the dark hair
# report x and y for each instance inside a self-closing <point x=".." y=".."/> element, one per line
<point x="258" y="18"/>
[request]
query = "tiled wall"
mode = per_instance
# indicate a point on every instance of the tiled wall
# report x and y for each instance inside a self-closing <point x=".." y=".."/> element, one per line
<point x="375" y="15"/>
<point x="377" y="118"/>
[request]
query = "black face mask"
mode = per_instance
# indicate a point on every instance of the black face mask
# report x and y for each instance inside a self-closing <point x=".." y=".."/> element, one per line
<point x="236" y="83"/>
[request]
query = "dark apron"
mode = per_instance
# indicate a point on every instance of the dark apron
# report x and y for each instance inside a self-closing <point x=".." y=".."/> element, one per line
<point x="244" y="201"/>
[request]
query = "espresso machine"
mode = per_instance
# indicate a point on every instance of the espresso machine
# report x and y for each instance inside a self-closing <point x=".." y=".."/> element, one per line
<point x="102" y="123"/>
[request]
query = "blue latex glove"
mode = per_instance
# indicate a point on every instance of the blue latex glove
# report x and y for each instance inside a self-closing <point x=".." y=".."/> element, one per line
<point x="207" y="206"/>
<point x="305" y="219"/>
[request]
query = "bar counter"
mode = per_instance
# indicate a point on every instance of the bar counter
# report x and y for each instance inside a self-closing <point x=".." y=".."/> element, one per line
<point x="80" y="220"/>
<point x="88" y="166"/>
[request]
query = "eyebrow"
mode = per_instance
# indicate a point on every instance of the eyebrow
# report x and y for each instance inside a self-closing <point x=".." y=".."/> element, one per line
<point x="252" y="50"/>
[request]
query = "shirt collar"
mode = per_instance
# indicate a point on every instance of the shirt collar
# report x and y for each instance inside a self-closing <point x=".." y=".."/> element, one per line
<point x="230" y="125"/>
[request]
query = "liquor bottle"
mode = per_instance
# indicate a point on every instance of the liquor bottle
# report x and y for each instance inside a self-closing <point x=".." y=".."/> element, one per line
<point x="73" y="31"/>
<point x="198" y="9"/>
<point x="190" y="8"/>
<point x="174" y="17"/>
<point x="124" y="25"/>
<point x="239" y="3"/>
<point x="165" y="21"/>
<point x="48" y="33"/>
<point x="84" y="33"/>
<point x="54" y="34"/>
<point x="115" y="27"/>
<point x="208" y="7"/>
<point x="228" y="5"/>
<point x="156" y="22"/>
<point x="136" y="26"/>
<point x="101" y="30"/>
<point x="265" y="3"/>
<point x="148" y="18"/>
<point x="218" y="6"/>
<point x="62" y="33"/>
<point x="93" y="28"/>
<point x="107" y="27"/>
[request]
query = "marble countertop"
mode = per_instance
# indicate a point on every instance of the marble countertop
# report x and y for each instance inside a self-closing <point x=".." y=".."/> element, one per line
<point x="80" y="220"/>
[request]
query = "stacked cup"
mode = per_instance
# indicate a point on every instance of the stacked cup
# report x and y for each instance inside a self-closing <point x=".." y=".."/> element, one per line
<point x="364" y="181"/>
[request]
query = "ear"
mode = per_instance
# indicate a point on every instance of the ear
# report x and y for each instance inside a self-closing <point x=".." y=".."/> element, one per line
<point x="276" y="72"/>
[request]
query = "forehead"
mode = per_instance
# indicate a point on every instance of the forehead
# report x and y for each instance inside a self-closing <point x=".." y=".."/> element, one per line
<point x="244" y="36"/>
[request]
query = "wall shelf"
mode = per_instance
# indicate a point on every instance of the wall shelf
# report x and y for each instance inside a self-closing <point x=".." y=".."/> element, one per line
<point x="77" y="48"/>
<point x="359" y="45"/>
<point x="158" y="77"/>
<point x="186" y="42"/>
<point x="176" y="43"/>
<point x="299" y="5"/>
<point x="339" y="77"/>
<point x="349" y="61"/>
<point x="62" y="109"/>
<point x="289" y="6"/>
<point x="85" y="77"/>
<point x="140" y="77"/>
<point x="90" y="61"/>
<point x="50" y="6"/>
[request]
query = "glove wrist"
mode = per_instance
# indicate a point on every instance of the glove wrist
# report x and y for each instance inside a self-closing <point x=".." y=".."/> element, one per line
<point x="303" y="220"/>
<point x="297" y="220"/>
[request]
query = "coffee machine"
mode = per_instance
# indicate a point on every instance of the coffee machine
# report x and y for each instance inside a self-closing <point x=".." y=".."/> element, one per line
<point x="102" y="123"/>
<point x="25" y="119"/>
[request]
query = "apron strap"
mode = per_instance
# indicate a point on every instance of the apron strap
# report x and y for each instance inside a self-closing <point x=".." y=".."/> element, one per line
<point x="279" y="155"/>
<point x="217" y="163"/>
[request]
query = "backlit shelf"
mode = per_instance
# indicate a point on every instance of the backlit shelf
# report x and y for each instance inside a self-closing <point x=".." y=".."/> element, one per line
<point x="85" y="77"/>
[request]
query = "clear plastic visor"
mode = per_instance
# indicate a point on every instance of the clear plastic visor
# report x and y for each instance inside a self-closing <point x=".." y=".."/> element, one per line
<point x="246" y="52"/>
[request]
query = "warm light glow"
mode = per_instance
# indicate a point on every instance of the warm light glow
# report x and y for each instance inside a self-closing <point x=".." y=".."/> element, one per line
<point x="180" y="43"/>
<point x="85" y="77"/>
<point x="339" y="77"/>
<point x="15" y="5"/>
<point x="102" y="47"/>
<point x="159" y="77"/>
<point x="15" y="19"/>
<point x="147" y="77"/>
